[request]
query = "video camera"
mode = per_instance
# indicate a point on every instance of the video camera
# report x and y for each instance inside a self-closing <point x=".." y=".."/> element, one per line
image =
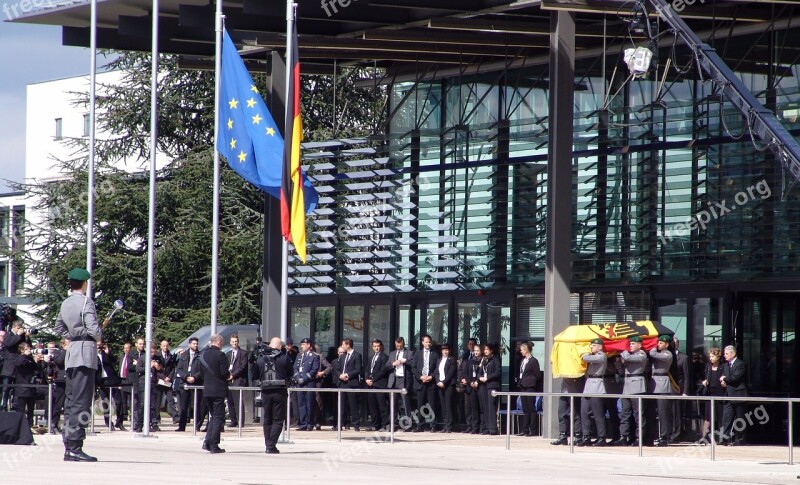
<point x="40" y="351"/>
<point x="262" y="350"/>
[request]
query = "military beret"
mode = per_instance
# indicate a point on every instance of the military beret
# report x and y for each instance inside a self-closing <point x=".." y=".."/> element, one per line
<point x="636" y="338"/>
<point x="79" y="274"/>
<point x="598" y="341"/>
<point x="665" y="338"/>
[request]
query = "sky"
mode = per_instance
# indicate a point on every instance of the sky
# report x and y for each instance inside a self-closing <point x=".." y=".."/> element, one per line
<point x="28" y="54"/>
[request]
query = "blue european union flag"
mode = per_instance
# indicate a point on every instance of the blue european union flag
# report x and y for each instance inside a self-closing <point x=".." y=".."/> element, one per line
<point x="248" y="136"/>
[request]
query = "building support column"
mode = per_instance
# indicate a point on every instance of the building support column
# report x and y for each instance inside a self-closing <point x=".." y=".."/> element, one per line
<point x="559" y="198"/>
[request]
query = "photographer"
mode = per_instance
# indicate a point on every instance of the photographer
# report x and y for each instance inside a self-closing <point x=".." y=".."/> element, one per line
<point x="27" y="367"/>
<point x="274" y="368"/>
<point x="11" y="343"/>
<point x="156" y="365"/>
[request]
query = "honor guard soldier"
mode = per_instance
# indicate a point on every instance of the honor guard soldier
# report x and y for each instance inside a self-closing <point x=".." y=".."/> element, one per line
<point x="634" y="362"/>
<point x="661" y="358"/>
<point x="595" y="375"/>
<point x="77" y="321"/>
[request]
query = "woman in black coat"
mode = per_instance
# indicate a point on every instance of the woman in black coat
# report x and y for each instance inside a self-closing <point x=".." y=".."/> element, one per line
<point x="712" y="387"/>
<point x="528" y="381"/>
<point x="445" y="376"/>
<point x="489" y="376"/>
<point x="472" y="402"/>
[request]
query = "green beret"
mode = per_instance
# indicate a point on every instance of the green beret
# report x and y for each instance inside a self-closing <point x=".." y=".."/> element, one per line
<point x="79" y="274"/>
<point x="665" y="338"/>
<point x="636" y="338"/>
<point x="598" y="341"/>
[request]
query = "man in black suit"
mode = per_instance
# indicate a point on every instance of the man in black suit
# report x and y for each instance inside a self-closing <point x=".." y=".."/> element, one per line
<point x="106" y="380"/>
<point x="376" y="378"/>
<point x="184" y="374"/>
<point x="237" y="366"/>
<point x="400" y="377"/>
<point x="350" y="377"/>
<point x="165" y="376"/>
<point x="213" y="371"/>
<point x="127" y="377"/>
<point x="734" y="380"/>
<point x="138" y="357"/>
<point x="679" y="408"/>
<point x="425" y="363"/>
<point x="156" y="365"/>
<point x="445" y="378"/>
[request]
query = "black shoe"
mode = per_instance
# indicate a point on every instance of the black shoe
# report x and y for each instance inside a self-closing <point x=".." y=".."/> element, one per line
<point x="256" y="420"/>
<point x="582" y="442"/>
<point x="78" y="455"/>
<point x="356" y="428"/>
<point x="272" y="451"/>
<point x="203" y="430"/>
<point x="318" y="427"/>
<point x="521" y="434"/>
<point x="600" y="442"/>
<point x="121" y="427"/>
<point x="562" y="440"/>
<point x="216" y="450"/>
<point x="661" y="443"/>
<point x="178" y="430"/>
<point x="620" y="442"/>
<point x="205" y="446"/>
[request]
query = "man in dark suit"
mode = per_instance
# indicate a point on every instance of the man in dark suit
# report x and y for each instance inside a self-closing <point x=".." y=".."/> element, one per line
<point x="306" y="366"/>
<point x="213" y="371"/>
<point x="127" y="377"/>
<point x="156" y="365"/>
<point x="445" y="378"/>
<point x="734" y="380"/>
<point x="237" y="365"/>
<point x="107" y="380"/>
<point x="184" y="374"/>
<point x="400" y="377"/>
<point x="425" y="363"/>
<point x="376" y="378"/>
<point x="164" y="388"/>
<point x="58" y="377"/>
<point x="680" y="408"/>
<point x="137" y="354"/>
<point x="15" y="336"/>
<point x="350" y="377"/>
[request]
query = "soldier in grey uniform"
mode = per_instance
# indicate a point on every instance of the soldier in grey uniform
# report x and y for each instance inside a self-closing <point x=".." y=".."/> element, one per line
<point x="77" y="321"/>
<point x="661" y="359"/>
<point x="572" y="386"/>
<point x="634" y="362"/>
<point x="595" y="384"/>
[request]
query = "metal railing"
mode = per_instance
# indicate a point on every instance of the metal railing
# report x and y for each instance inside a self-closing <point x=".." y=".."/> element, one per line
<point x="639" y="398"/>
<point x="290" y="390"/>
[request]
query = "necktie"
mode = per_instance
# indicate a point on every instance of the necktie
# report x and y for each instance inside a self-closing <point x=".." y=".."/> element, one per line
<point x="124" y="370"/>
<point x="372" y="368"/>
<point x="425" y="363"/>
<point x="346" y="358"/>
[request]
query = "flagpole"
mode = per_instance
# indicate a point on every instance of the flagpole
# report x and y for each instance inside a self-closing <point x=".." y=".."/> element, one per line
<point x="289" y="118"/>
<point x="218" y="26"/>
<point x="151" y="234"/>
<point x="92" y="103"/>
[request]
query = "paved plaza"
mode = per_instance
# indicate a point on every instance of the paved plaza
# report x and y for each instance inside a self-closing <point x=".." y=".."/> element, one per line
<point x="364" y="457"/>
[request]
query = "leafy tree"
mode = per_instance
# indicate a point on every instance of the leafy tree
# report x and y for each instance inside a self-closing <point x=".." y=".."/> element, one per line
<point x="183" y="201"/>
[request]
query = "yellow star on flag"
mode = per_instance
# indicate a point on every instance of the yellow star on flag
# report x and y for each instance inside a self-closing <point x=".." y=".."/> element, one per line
<point x="253" y="88"/>
<point x="230" y="124"/>
<point x="271" y="131"/>
<point x="242" y="157"/>
<point x="233" y="143"/>
<point x="257" y="119"/>
<point x="233" y="103"/>
<point x="251" y="102"/>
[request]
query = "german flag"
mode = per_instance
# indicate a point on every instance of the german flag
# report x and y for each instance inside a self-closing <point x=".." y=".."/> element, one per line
<point x="293" y="219"/>
<point x="569" y="345"/>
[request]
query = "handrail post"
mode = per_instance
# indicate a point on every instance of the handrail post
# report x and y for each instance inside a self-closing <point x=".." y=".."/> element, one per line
<point x="110" y="403"/>
<point x="391" y="417"/>
<point x="791" y="438"/>
<point x="639" y="424"/>
<point x="194" y="413"/>
<point x="132" y="410"/>
<point x="339" y="415"/>
<point x="571" y="424"/>
<point x="91" y="423"/>
<point x="50" y="407"/>
<point x="508" y="421"/>
<point x="288" y="412"/>
<point x="713" y="429"/>
<point x="240" y="412"/>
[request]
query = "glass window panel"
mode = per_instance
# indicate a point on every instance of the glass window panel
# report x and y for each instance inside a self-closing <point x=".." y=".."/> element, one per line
<point x="379" y="320"/>
<point x="408" y="317"/>
<point x="325" y="336"/>
<point x="498" y="331"/>
<point x="299" y="323"/>
<point x="353" y="325"/>
<point x="469" y="324"/>
<point x="437" y="322"/>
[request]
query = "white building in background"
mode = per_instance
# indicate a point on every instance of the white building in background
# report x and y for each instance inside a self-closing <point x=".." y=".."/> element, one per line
<point x="12" y="239"/>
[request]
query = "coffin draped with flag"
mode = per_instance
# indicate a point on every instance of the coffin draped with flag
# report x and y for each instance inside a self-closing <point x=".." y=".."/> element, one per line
<point x="574" y="341"/>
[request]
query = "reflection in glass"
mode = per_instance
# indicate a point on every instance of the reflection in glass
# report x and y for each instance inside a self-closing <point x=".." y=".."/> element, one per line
<point x="325" y="336"/>
<point x="437" y="322"/>
<point x="353" y="325"/>
<point x="379" y="318"/>
<point x="300" y="323"/>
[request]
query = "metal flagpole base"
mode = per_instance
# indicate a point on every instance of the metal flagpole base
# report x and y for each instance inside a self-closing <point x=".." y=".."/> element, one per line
<point x="282" y="439"/>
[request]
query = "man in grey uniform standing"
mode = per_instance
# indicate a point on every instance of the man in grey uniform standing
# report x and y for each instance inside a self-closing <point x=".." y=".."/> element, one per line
<point x="634" y="363"/>
<point x="595" y="384"/>
<point x="661" y="359"/>
<point x="77" y="321"/>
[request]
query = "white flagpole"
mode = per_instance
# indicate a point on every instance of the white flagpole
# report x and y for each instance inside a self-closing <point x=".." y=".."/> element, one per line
<point x="151" y="235"/>
<point x="92" y="108"/>
<point x="218" y="26"/>
<point x="290" y="13"/>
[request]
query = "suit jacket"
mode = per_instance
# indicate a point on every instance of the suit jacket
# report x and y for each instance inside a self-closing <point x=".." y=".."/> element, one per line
<point x="450" y="366"/>
<point x="109" y="365"/>
<point x="212" y="368"/>
<point x="491" y="369"/>
<point x="238" y="368"/>
<point x="634" y="366"/>
<point x="27" y="372"/>
<point x="306" y="366"/>
<point x="326" y="368"/>
<point x="682" y="360"/>
<point x="155" y="374"/>
<point x="168" y="364"/>
<point x="377" y="372"/>
<point x="11" y="350"/>
<point x="352" y="367"/>
<point x="407" y="373"/>
<point x="736" y="378"/>
<point x="530" y="375"/>
<point x="183" y="370"/>
<point x="78" y="319"/>
<point x="130" y="379"/>
<point x="419" y="362"/>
